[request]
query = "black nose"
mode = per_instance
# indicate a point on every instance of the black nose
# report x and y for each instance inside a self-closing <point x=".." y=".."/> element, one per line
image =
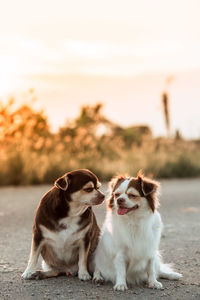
<point x="101" y="195"/>
<point x="120" y="201"/>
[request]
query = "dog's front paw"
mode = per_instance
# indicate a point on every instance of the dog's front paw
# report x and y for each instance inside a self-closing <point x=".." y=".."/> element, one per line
<point x="98" y="279"/>
<point x="155" y="285"/>
<point x="27" y="274"/>
<point x="84" y="276"/>
<point x="120" y="287"/>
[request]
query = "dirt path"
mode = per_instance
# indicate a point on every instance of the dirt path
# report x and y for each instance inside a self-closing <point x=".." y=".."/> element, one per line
<point x="180" y="244"/>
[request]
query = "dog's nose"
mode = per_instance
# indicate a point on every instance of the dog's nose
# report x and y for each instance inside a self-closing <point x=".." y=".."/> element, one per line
<point x="101" y="195"/>
<point x="120" y="201"/>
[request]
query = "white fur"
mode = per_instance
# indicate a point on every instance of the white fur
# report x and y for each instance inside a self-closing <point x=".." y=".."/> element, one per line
<point x="32" y="263"/>
<point x="62" y="241"/>
<point x="128" y="248"/>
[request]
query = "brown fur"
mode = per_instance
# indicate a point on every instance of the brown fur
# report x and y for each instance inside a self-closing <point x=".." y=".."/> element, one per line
<point x="114" y="184"/>
<point x="54" y="206"/>
<point x="149" y="189"/>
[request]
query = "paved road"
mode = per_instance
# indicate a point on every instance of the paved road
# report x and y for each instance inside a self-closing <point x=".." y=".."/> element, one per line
<point x="180" y="244"/>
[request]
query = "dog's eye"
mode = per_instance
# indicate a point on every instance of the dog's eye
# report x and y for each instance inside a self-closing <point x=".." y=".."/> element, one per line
<point x="132" y="195"/>
<point x="117" y="195"/>
<point x="88" y="190"/>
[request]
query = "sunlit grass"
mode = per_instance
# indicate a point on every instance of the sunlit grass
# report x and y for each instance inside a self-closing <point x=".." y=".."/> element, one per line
<point x="31" y="154"/>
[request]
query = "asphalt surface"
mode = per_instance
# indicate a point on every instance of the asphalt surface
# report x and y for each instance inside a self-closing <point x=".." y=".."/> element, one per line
<point x="180" y="245"/>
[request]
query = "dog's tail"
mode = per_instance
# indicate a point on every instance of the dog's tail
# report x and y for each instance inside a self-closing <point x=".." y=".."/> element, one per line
<point x="167" y="272"/>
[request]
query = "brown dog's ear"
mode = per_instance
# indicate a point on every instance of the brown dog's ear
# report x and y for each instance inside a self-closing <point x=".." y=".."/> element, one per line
<point x="149" y="189"/>
<point x="62" y="183"/>
<point x="148" y="186"/>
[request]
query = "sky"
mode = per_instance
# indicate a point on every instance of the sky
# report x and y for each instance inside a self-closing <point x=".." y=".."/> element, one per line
<point x="117" y="52"/>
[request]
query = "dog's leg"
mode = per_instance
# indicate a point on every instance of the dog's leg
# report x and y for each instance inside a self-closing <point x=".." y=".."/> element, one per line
<point x="46" y="272"/>
<point x="82" y="262"/>
<point x="33" y="259"/>
<point x="38" y="275"/>
<point x="167" y="273"/>
<point x="120" y="271"/>
<point x="151" y="271"/>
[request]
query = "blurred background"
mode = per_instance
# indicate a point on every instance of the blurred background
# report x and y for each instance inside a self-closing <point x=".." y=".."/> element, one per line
<point x="113" y="86"/>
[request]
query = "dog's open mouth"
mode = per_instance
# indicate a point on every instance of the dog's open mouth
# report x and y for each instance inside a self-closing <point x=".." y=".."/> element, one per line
<point x="124" y="210"/>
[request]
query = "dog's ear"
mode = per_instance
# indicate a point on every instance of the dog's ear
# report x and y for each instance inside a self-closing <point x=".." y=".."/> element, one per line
<point x="62" y="182"/>
<point x="112" y="183"/>
<point x="149" y="188"/>
<point x="116" y="181"/>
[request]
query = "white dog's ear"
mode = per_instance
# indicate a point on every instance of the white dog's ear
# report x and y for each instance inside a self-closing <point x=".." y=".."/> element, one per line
<point x="62" y="183"/>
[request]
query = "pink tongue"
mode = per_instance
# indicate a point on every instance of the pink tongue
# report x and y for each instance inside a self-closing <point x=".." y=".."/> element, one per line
<point x="122" y="211"/>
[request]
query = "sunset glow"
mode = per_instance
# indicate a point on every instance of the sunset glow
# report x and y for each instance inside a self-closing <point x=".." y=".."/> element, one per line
<point x="54" y="47"/>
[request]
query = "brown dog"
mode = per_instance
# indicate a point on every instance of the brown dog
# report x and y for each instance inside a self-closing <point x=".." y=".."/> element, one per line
<point x="65" y="231"/>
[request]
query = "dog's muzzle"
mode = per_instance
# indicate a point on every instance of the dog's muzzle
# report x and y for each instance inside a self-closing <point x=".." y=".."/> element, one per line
<point x="99" y="199"/>
<point x="124" y="210"/>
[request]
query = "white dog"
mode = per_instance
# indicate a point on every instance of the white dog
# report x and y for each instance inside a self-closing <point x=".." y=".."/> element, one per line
<point x="128" y="248"/>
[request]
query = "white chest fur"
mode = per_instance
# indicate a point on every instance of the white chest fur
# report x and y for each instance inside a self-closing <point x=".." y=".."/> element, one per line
<point x="64" y="241"/>
<point x="140" y="237"/>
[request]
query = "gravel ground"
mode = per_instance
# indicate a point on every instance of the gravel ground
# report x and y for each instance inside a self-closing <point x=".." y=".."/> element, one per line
<point x="180" y="244"/>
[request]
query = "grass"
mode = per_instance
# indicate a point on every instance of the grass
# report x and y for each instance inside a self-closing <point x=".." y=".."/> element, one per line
<point x="31" y="154"/>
